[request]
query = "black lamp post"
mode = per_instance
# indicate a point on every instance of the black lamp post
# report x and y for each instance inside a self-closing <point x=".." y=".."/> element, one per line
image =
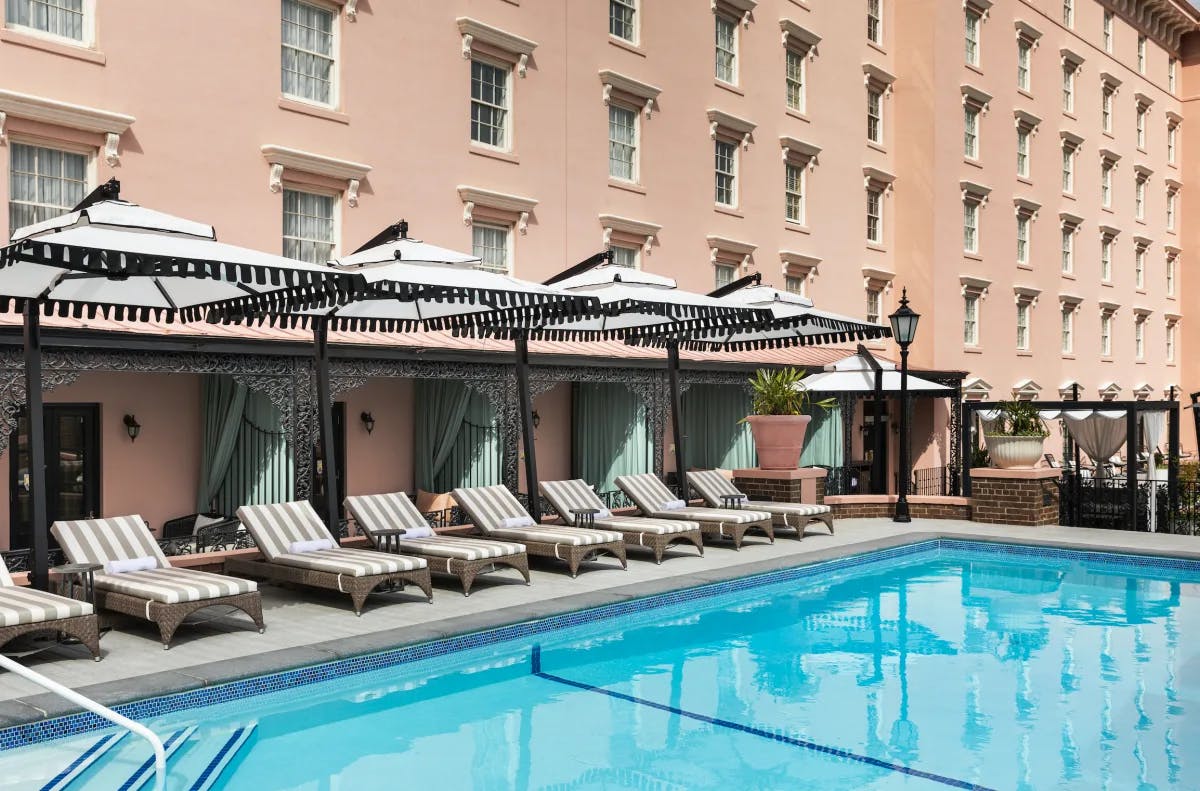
<point x="904" y="329"/>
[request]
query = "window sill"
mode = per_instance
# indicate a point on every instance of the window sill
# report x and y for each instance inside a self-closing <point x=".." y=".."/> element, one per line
<point x="1171" y="297"/>
<point x="799" y="116"/>
<point x="798" y="227"/>
<point x="1068" y="275"/>
<point x="1024" y="353"/>
<point x="1026" y="267"/>
<point x="1025" y="180"/>
<point x="1170" y="365"/>
<point x="974" y="67"/>
<point x="1139" y="291"/>
<point x="316" y="111"/>
<point x="972" y="350"/>
<point x="1070" y="115"/>
<point x="1139" y="362"/>
<point x="1069" y="195"/>
<point x="877" y="146"/>
<point x="728" y="87"/>
<point x="1025" y="93"/>
<point x="1107" y="134"/>
<point x="1140" y="220"/>
<point x="877" y="247"/>
<point x="491" y="153"/>
<point x="975" y="163"/>
<point x="1068" y="355"/>
<point x="1105" y="359"/>
<point x="1107" y="283"/>
<point x="1173" y="165"/>
<point x="628" y="186"/>
<point x="972" y="256"/>
<point x="33" y="41"/>
<point x="628" y="46"/>
<point x="802" y="4"/>
<point x="1108" y="209"/>
<point x="1171" y="231"/>
<point x="875" y="45"/>
<point x="732" y="212"/>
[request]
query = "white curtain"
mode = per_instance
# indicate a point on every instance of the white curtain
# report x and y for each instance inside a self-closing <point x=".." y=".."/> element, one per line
<point x="1152" y="426"/>
<point x="1099" y="435"/>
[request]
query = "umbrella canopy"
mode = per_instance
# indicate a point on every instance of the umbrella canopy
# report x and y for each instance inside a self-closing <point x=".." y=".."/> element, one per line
<point x="853" y="374"/>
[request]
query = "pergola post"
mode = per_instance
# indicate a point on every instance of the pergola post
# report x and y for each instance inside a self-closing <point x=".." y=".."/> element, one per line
<point x="1172" y="465"/>
<point x="39" y="527"/>
<point x="1131" y="450"/>
<point x="676" y="415"/>
<point x="328" y="477"/>
<point x="527" y="436"/>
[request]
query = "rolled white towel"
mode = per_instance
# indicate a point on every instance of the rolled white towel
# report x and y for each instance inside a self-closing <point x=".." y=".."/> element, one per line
<point x="517" y="521"/>
<point x="316" y="545"/>
<point x="130" y="564"/>
<point x="604" y="513"/>
<point x="425" y="531"/>
<point x="673" y="505"/>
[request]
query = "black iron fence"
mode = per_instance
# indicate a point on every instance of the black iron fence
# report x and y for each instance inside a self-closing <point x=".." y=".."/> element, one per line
<point x="932" y="482"/>
<point x="1105" y="503"/>
<point x="853" y="479"/>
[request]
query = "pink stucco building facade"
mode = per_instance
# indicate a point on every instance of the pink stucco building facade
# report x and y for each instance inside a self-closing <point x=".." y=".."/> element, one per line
<point x="1022" y="167"/>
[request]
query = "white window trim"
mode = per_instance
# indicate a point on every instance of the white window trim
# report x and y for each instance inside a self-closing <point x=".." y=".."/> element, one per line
<point x="311" y="189"/>
<point x="90" y="166"/>
<point x="509" y="244"/>
<point x="89" y="29"/>
<point x="335" y="78"/>
<point x="637" y="24"/>
<point x="509" y="127"/>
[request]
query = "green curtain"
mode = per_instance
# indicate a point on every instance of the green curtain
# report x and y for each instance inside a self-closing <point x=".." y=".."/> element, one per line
<point x="609" y="434"/>
<point x="457" y="438"/>
<point x="222" y="402"/>
<point x="260" y="467"/>
<point x="823" y="441"/>
<point x="714" y="436"/>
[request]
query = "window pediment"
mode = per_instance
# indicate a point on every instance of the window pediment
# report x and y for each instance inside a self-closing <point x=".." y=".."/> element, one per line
<point x="282" y="159"/>
<point x="513" y="208"/>
<point x="1026" y="121"/>
<point x="799" y="38"/>
<point x="65" y="114"/>
<point x="512" y="47"/>
<point x="644" y="232"/>
<point x="720" y="122"/>
<point x="798" y="151"/>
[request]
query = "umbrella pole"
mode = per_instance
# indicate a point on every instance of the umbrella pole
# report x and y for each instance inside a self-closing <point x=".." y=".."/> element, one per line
<point x="40" y="567"/>
<point x="676" y="416"/>
<point x="325" y="419"/>
<point x="526" y="405"/>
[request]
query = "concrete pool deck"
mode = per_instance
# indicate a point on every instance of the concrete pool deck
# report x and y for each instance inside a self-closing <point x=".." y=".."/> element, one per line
<point x="306" y="627"/>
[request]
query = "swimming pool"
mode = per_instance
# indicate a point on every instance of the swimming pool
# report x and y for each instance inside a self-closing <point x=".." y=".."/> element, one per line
<point x="944" y="664"/>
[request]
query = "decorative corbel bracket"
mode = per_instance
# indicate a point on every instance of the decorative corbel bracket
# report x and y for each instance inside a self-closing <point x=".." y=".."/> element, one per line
<point x="275" y="178"/>
<point x="468" y="212"/>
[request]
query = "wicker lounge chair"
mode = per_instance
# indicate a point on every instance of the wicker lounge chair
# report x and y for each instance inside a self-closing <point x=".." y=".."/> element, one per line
<point x="161" y="594"/>
<point x="652" y="496"/>
<point x="26" y="610"/>
<point x="714" y="487"/>
<point x="495" y="511"/>
<point x="279" y="527"/>
<point x="566" y="497"/>
<point x="385" y="517"/>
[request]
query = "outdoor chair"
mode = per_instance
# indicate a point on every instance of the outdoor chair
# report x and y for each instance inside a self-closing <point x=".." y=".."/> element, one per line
<point x="26" y="610"/>
<point x="495" y="511"/>
<point x="655" y="500"/>
<point x="388" y="518"/>
<point x="298" y="548"/>
<point x="137" y="580"/>
<point x="715" y="489"/>
<point x="579" y="506"/>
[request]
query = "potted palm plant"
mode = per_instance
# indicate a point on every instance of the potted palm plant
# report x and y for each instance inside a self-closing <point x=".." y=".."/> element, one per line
<point x="1014" y="441"/>
<point x="781" y="403"/>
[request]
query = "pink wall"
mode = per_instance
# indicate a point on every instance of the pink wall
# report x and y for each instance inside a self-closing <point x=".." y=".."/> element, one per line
<point x="381" y="461"/>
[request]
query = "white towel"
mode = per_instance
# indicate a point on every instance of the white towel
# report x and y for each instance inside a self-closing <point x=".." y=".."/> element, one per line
<point x="301" y="547"/>
<point x="604" y="513"/>
<point x="673" y="505"/>
<point x="517" y="521"/>
<point x="418" y="532"/>
<point x="130" y="564"/>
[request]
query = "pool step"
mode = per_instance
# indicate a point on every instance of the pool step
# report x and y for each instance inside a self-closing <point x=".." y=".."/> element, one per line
<point x="83" y="761"/>
<point x="130" y="768"/>
<point x="217" y="762"/>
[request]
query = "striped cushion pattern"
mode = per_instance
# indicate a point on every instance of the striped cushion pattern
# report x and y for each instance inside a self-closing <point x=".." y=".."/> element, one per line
<point x="640" y="524"/>
<point x="25" y="605"/>
<point x="646" y="491"/>
<point x="174" y="586"/>
<point x="574" y="536"/>
<point x="489" y="506"/>
<point x="385" y="512"/>
<point x="277" y="526"/>
<point x="6" y="580"/>
<point x="727" y="516"/>
<point x="711" y="485"/>
<point x="565" y="495"/>
<point x="791" y="509"/>
<point x="100" y="540"/>
<point x="460" y="548"/>
<point x="351" y="562"/>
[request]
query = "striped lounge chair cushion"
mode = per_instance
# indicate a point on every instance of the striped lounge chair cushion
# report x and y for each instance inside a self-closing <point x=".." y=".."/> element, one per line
<point x="489" y="506"/>
<point x="712" y="485"/>
<point x="551" y="534"/>
<point x="791" y="509"/>
<point x="24" y="605"/>
<point x="277" y="526"/>
<point x="650" y="494"/>
<point x="100" y="540"/>
<point x="174" y="586"/>
<point x="468" y="549"/>
<point x="391" y="511"/>
<point x="640" y="524"/>
<point x="351" y="562"/>
<point x="566" y="495"/>
<point x="6" y="580"/>
<point x="728" y="516"/>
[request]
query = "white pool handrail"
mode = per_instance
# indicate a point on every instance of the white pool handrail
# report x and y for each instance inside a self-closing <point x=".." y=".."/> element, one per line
<point x="160" y="759"/>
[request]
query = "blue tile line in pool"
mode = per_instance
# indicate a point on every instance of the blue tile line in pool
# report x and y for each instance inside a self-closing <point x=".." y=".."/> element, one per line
<point x="536" y="665"/>
<point x="83" y="722"/>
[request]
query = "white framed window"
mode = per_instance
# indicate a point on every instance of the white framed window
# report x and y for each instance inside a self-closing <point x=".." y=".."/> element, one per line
<point x="1170" y="341"/>
<point x="1139" y="337"/>
<point x="1068" y="13"/>
<point x="874" y="305"/>
<point x="622" y="20"/>
<point x="1171" y="209"/>
<point x="1141" y="54"/>
<point x="1108" y="31"/>
<point x="874" y="215"/>
<point x="1172" y="136"/>
<point x="1141" y="126"/>
<point x="627" y="257"/>
<point x="1106" y="334"/>
<point x="1139" y="266"/>
<point x="726" y="154"/>
<point x="726" y="48"/>
<point x="875" y="21"/>
<point x="722" y="275"/>
<point x="793" y="192"/>
<point x="875" y="114"/>
<point x="490" y="103"/>
<point x="1068" y="87"/>
<point x="1068" y="167"/>
<point x="970" y="225"/>
<point x="43" y="183"/>
<point x="1023" y="238"/>
<point x="1024" y="53"/>
<point x="622" y="142"/>
<point x="1106" y="171"/>
<point x="1106" y="100"/>
<point x="1022" y="151"/>
<point x="796" y="285"/>
<point x="1139" y="197"/>
<point x="66" y="19"/>
<point x="971" y="21"/>
<point x="1023" y="325"/>
<point x="794" y="79"/>
<point x="1068" y="249"/>
<point x="1068" y="329"/>
<point x="970" y="132"/>
<point x="1106" y="247"/>
<point x="309" y="58"/>
<point x="492" y="244"/>
<point x="309" y="226"/>
<point x="971" y="320"/>
<point x="1171" y="260"/>
<point x="1172" y="65"/>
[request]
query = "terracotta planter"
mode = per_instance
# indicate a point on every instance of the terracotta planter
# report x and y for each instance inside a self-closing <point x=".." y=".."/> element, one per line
<point x="779" y="439"/>
<point x="1015" y="453"/>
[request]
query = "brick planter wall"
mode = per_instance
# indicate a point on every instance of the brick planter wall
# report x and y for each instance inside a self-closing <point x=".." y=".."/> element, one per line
<point x="802" y="485"/>
<point x="1015" y="497"/>
<point x="883" y="506"/>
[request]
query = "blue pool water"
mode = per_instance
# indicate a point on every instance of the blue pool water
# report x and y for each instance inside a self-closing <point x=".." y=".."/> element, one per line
<point x="947" y="665"/>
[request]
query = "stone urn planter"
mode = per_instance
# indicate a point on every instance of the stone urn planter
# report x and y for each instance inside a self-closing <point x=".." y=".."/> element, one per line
<point x="1014" y="453"/>
<point x="779" y="439"/>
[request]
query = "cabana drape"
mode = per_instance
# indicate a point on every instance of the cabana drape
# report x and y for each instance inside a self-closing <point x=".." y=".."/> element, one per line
<point x="250" y="462"/>
<point x="610" y="436"/>
<point x="1099" y="434"/>
<point x="823" y="442"/>
<point x="716" y="437"/>
<point x="457" y="437"/>
<point x="222" y="402"/>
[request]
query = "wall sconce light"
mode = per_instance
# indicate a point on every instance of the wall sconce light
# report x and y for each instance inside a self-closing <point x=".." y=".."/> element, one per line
<point x="133" y="427"/>
<point x="537" y="419"/>
<point x="368" y="421"/>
